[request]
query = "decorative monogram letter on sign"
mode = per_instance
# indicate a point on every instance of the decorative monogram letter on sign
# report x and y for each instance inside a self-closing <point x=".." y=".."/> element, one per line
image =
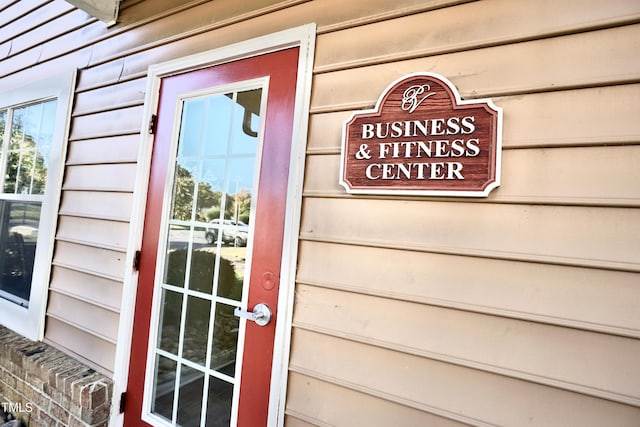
<point x="422" y="138"/>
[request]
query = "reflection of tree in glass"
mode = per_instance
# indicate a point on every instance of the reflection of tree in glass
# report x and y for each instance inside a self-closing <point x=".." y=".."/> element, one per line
<point x="202" y="271"/>
<point x="243" y="199"/>
<point x="201" y="279"/>
<point x="209" y="201"/>
<point x="183" y="194"/>
<point x="3" y="119"/>
<point x="26" y="169"/>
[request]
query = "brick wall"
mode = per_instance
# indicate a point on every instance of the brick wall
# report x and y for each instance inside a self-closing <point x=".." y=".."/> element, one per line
<point x="43" y="386"/>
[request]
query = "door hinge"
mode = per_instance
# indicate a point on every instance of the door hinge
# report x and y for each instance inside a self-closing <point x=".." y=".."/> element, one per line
<point x="136" y="261"/>
<point x="123" y="401"/>
<point x="152" y="124"/>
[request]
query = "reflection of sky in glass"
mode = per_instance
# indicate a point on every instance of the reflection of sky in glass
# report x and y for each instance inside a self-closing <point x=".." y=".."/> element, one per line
<point x="213" y="146"/>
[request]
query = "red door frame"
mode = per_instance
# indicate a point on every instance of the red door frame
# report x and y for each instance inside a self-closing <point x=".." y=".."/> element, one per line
<point x="281" y="66"/>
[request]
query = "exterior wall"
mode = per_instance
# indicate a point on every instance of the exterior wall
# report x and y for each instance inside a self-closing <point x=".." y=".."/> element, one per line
<point x="517" y="309"/>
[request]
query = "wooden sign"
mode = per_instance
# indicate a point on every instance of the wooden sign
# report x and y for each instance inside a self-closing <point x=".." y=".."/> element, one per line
<point x="423" y="139"/>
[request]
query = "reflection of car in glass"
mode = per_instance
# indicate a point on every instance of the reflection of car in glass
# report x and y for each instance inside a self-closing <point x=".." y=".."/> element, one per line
<point x="232" y="232"/>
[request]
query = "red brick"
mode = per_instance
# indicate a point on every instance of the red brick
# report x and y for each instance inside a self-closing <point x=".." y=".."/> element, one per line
<point x="64" y="392"/>
<point x="41" y="418"/>
<point x="59" y="413"/>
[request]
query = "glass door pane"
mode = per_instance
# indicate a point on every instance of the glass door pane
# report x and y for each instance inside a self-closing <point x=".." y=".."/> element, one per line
<point x="205" y="259"/>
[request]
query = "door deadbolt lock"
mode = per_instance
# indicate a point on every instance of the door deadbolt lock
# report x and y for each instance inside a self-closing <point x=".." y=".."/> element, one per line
<point x="261" y="314"/>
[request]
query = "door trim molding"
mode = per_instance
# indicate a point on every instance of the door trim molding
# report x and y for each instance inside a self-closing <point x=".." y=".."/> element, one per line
<point x="304" y="38"/>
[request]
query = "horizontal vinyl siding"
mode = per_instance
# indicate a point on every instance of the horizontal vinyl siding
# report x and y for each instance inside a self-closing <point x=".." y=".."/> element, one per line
<point x="593" y="364"/>
<point x="506" y="69"/>
<point x="106" y="263"/>
<point x="543" y="119"/>
<point x="518" y="309"/>
<point x="432" y="32"/>
<point x="463" y="394"/>
<point x="101" y="205"/>
<point x="552" y="234"/>
<point x="98" y="291"/>
<point x="599" y="300"/>
<point x="597" y="175"/>
<point x="336" y="405"/>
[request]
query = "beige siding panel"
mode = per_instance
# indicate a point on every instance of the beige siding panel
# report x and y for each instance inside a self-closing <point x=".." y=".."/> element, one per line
<point x="335" y="15"/>
<point x="59" y="47"/>
<point x="65" y="23"/>
<point x="102" y="205"/>
<point x="109" y="177"/>
<point x="32" y="23"/>
<point x="599" y="300"/>
<point x="19" y="9"/>
<point x="325" y="132"/>
<point x="111" y="123"/>
<point x="595" y="237"/>
<point x="591" y="176"/>
<point x="462" y="394"/>
<point x="598" y="175"/>
<point x="586" y="362"/>
<point x="112" y="97"/>
<point x="87" y="317"/>
<point x="20" y="61"/>
<point x="137" y="64"/>
<point x="290" y="421"/>
<point x="440" y="31"/>
<point x="586" y="116"/>
<point x="137" y="11"/>
<point x="34" y="19"/>
<point x="326" y="404"/>
<point x="574" y="117"/>
<point x="191" y="20"/>
<point x="93" y="232"/>
<point x="89" y="348"/>
<point x="96" y="290"/>
<point x="101" y="75"/>
<point x="116" y="149"/>
<point x="329" y="12"/>
<point x="30" y="70"/>
<point x="72" y="41"/>
<point x="5" y="49"/>
<point x="501" y="70"/>
<point x="198" y="19"/>
<point x="101" y="262"/>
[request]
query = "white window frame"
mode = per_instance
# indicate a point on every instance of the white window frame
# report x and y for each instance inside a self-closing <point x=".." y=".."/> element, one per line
<point x="29" y="321"/>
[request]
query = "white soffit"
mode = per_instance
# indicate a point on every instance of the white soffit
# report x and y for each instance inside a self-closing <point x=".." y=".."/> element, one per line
<point x="104" y="10"/>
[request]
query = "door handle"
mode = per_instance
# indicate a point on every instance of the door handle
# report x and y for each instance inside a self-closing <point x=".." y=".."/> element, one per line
<point x="261" y="314"/>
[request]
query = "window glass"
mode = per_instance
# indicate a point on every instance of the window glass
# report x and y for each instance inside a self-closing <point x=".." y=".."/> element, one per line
<point x="29" y="133"/>
<point x="208" y="233"/>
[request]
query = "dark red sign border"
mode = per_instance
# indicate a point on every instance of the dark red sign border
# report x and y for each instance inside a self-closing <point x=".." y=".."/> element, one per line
<point x="494" y="147"/>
